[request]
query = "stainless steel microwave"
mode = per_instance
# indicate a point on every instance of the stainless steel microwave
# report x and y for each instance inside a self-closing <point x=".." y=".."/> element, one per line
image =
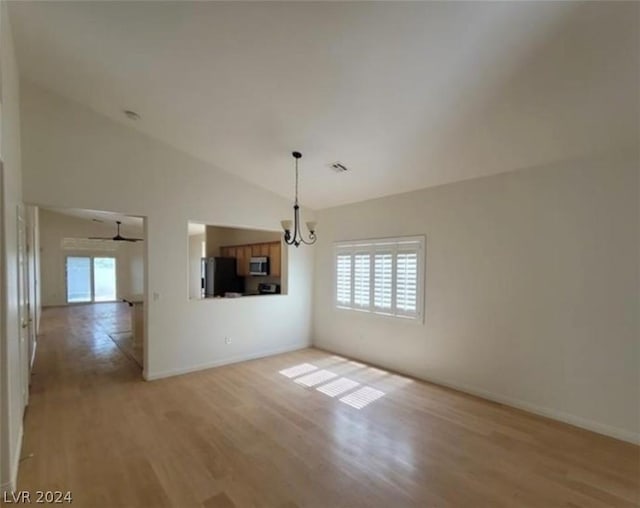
<point x="259" y="265"/>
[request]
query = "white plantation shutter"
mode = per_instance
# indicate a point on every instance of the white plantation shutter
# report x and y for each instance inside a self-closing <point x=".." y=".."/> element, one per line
<point x="407" y="282"/>
<point x="382" y="281"/>
<point x="361" y="280"/>
<point x="343" y="279"/>
<point x="381" y="276"/>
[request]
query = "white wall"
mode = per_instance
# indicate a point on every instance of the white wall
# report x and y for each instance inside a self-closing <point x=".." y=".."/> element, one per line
<point x="11" y="403"/>
<point x="76" y="158"/>
<point x="532" y="290"/>
<point x="220" y="236"/>
<point x="195" y="257"/>
<point x="54" y="227"/>
<point x="133" y="254"/>
<point x="235" y="236"/>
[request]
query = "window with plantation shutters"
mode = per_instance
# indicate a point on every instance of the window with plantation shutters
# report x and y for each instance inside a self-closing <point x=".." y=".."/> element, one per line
<point x="382" y="280"/>
<point x="406" y="281"/>
<point x="381" y="276"/>
<point x="361" y="280"/>
<point x="343" y="279"/>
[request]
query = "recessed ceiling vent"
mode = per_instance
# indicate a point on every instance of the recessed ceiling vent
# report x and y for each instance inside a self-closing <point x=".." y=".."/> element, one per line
<point x="338" y="167"/>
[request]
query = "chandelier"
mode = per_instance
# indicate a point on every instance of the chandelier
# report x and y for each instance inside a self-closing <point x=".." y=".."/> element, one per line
<point x="294" y="236"/>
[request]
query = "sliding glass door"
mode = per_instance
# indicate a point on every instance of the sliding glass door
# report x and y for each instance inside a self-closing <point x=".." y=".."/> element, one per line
<point x="91" y="279"/>
<point x="78" y="280"/>
<point x="104" y="279"/>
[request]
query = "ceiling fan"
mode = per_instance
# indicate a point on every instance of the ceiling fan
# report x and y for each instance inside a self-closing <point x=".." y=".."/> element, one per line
<point x="118" y="237"/>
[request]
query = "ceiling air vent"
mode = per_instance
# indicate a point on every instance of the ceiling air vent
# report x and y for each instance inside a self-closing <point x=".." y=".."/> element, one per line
<point x="338" y="167"/>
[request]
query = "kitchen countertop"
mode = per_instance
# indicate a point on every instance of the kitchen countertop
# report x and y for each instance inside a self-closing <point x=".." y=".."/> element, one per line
<point x="133" y="299"/>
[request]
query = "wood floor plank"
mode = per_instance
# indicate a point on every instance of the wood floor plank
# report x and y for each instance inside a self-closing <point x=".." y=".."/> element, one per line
<point x="245" y="435"/>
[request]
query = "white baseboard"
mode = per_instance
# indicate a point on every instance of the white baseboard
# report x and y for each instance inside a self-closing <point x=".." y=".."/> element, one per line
<point x="5" y="487"/>
<point x="12" y="484"/>
<point x="33" y="355"/>
<point x="151" y="376"/>
<point x="577" y="421"/>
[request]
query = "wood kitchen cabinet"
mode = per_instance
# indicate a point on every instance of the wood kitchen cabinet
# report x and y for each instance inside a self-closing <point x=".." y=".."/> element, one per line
<point x="244" y="257"/>
<point x="275" y="259"/>
<point x="241" y="262"/>
<point x="264" y="249"/>
<point x="244" y="253"/>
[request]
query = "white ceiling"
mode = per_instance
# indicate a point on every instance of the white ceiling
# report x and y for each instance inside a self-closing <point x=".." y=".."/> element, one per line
<point x="101" y="216"/>
<point x="135" y="223"/>
<point x="407" y="95"/>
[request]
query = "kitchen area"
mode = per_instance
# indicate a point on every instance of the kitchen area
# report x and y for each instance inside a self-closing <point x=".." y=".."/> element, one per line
<point x="234" y="262"/>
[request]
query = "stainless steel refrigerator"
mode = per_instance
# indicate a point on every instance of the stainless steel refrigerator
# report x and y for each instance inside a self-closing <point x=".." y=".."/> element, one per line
<point x="219" y="276"/>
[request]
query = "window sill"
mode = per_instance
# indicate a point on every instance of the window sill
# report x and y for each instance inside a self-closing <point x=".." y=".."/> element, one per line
<point x="417" y="320"/>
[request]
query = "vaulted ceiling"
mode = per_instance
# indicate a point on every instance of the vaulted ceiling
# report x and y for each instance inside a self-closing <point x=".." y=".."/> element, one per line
<point x="406" y="95"/>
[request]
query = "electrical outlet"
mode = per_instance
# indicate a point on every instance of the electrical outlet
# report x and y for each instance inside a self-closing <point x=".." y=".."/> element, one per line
<point x="227" y="340"/>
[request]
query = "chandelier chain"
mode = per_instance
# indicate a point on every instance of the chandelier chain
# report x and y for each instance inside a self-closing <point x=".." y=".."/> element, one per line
<point x="296" y="181"/>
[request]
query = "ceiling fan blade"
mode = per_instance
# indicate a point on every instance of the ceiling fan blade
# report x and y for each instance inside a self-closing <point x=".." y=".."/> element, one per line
<point x="118" y="237"/>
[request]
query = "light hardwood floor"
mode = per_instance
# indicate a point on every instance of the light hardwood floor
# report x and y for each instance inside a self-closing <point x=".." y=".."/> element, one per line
<point x="246" y="435"/>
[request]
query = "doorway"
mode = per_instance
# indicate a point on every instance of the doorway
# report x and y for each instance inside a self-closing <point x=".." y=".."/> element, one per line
<point x="91" y="279"/>
<point x="96" y="266"/>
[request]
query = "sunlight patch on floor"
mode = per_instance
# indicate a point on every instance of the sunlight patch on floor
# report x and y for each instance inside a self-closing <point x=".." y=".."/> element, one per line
<point x="316" y="378"/>
<point x="298" y="370"/>
<point x="333" y="385"/>
<point x="362" y="397"/>
<point x="338" y="386"/>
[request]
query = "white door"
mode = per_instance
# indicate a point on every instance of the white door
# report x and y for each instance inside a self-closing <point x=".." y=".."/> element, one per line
<point x="32" y="278"/>
<point x="23" y="302"/>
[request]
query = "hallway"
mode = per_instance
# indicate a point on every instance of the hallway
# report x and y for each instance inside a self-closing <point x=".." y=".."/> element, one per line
<point x="78" y="408"/>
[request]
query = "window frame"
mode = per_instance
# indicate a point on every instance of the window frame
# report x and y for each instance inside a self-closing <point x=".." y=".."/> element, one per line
<point x="382" y="246"/>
